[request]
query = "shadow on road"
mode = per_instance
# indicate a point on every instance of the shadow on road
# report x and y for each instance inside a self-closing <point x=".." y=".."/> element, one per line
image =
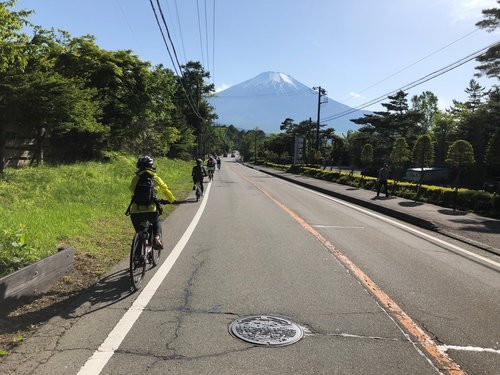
<point x="38" y="310"/>
<point x="410" y="204"/>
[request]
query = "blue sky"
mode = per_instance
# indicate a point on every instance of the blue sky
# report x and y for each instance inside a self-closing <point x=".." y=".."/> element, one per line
<point x="353" y="49"/>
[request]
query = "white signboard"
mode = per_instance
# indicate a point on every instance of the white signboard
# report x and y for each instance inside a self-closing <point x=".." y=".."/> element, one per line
<point x="298" y="154"/>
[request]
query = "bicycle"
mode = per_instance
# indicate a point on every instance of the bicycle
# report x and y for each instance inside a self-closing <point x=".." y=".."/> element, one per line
<point x="198" y="190"/>
<point x="142" y="252"/>
<point x="211" y="173"/>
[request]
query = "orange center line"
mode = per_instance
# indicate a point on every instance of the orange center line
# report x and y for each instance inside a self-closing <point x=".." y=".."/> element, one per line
<point x="442" y="360"/>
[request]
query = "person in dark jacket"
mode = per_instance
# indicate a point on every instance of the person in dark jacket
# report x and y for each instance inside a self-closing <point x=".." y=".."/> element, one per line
<point x="383" y="174"/>
<point x="198" y="173"/>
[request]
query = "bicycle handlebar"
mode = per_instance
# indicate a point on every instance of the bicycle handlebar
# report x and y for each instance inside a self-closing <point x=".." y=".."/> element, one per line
<point x="162" y="201"/>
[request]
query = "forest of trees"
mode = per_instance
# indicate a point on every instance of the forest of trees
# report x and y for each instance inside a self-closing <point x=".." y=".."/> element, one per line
<point x="78" y="102"/>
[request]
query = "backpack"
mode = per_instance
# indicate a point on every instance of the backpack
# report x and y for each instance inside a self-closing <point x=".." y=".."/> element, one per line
<point x="211" y="163"/>
<point x="144" y="193"/>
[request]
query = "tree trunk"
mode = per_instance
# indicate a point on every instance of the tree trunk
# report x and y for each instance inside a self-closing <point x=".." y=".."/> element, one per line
<point x="457" y="182"/>
<point x="39" y="146"/>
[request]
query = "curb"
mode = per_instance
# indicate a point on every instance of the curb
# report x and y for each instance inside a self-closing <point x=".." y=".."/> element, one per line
<point x="417" y="221"/>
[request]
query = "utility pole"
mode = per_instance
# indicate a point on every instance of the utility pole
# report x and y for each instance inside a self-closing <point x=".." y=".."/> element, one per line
<point x="321" y="92"/>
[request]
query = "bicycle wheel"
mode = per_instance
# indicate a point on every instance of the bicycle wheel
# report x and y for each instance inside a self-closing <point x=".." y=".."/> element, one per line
<point x="198" y="192"/>
<point x="137" y="263"/>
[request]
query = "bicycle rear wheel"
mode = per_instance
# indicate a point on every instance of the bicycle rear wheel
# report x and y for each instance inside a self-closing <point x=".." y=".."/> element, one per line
<point x="198" y="192"/>
<point x="137" y="263"/>
<point x="155" y="254"/>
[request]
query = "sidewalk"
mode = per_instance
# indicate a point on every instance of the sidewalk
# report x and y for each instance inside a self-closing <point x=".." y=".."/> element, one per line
<point x="479" y="231"/>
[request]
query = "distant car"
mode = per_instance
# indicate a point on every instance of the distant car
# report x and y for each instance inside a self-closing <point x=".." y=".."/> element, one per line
<point x="224" y="154"/>
<point x="233" y="155"/>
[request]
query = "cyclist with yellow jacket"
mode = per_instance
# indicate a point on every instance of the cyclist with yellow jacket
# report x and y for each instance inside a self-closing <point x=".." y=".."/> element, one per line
<point x="150" y="210"/>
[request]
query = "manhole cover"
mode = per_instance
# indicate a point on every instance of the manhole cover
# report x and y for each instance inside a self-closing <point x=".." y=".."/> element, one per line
<point x="266" y="330"/>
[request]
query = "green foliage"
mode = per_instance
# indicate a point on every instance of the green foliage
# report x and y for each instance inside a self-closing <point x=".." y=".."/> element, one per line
<point x="367" y="155"/>
<point x="60" y="205"/>
<point x="460" y="154"/>
<point x="399" y="154"/>
<point x="13" y="42"/>
<point x="423" y="151"/>
<point x="492" y="158"/>
<point x="490" y="60"/>
<point x="426" y="105"/>
<point x="14" y="251"/>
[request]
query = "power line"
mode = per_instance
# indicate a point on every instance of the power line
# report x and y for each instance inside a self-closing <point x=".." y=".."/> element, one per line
<point x="213" y="46"/>
<point x="178" y="65"/>
<point x="199" y="31"/>
<point x="128" y="23"/>
<point x="180" y="29"/>
<point x="163" y="37"/>
<point x="418" y="61"/>
<point x="413" y="84"/>
<point x="206" y="36"/>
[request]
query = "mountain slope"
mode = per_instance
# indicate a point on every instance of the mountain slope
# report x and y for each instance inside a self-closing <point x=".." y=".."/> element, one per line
<point x="267" y="99"/>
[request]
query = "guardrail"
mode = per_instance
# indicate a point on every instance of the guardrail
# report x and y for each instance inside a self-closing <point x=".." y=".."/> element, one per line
<point x="35" y="278"/>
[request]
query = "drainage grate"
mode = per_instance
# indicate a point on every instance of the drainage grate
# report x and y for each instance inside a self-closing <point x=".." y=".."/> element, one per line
<point x="269" y="330"/>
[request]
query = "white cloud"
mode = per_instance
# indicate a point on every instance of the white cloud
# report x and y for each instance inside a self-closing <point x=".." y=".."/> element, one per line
<point x="355" y="95"/>
<point x="467" y="10"/>
<point x="222" y="87"/>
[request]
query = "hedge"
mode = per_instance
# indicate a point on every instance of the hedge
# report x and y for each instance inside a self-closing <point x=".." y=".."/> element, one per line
<point x="463" y="199"/>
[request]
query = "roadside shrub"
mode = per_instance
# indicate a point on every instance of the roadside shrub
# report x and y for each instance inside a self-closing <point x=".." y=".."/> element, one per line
<point x="14" y="251"/>
<point x="463" y="199"/>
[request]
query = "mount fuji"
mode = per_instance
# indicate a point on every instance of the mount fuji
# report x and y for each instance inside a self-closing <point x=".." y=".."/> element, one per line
<point x="266" y="100"/>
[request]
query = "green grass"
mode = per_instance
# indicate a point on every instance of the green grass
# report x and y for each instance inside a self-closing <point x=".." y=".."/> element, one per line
<point x="80" y="205"/>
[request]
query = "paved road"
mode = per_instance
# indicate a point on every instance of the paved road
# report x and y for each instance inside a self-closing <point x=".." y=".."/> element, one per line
<point x="373" y="295"/>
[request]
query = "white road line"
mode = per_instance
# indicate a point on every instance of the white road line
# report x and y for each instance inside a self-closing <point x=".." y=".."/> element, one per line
<point x="445" y="348"/>
<point x="103" y="354"/>
<point x="337" y="226"/>
<point x="406" y="228"/>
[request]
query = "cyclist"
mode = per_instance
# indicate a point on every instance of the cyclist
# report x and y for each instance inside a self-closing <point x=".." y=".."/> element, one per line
<point x="198" y="173"/>
<point x="150" y="212"/>
<point x="211" y="165"/>
<point x="218" y="162"/>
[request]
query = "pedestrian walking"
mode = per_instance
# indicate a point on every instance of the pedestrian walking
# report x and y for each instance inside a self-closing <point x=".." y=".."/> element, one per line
<point x="383" y="173"/>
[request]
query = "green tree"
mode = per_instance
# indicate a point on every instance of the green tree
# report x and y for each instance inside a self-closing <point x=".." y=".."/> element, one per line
<point x="423" y="156"/>
<point x="460" y="155"/>
<point x="252" y="144"/>
<point x="367" y="155"/>
<point x="337" y="151"/>
<point x="444" y="130"/>
<point x="385" y="126"/>
<point x="425" y="104"/>
<point x="13" y="59"/>
<point x="400" y="155"/>
<point x="190" y="99"/>
<point x="51" y="106"/>
<point x="490" y="61"/>
<point x="476" y="94"/>
<point x="492" y="157"/>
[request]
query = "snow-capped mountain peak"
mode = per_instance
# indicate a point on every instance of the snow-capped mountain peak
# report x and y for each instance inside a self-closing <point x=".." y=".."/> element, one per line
<point x="269" y="98"/>
<point x="267" y="83"/>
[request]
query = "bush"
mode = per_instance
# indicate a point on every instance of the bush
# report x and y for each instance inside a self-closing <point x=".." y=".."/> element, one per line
<point x="463" y="199"/>
<point x="14" y="252"/>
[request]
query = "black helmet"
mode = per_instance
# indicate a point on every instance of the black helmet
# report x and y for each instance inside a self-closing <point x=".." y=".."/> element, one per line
<point x="145" y="162"/>
<point x="199" y="161"/>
